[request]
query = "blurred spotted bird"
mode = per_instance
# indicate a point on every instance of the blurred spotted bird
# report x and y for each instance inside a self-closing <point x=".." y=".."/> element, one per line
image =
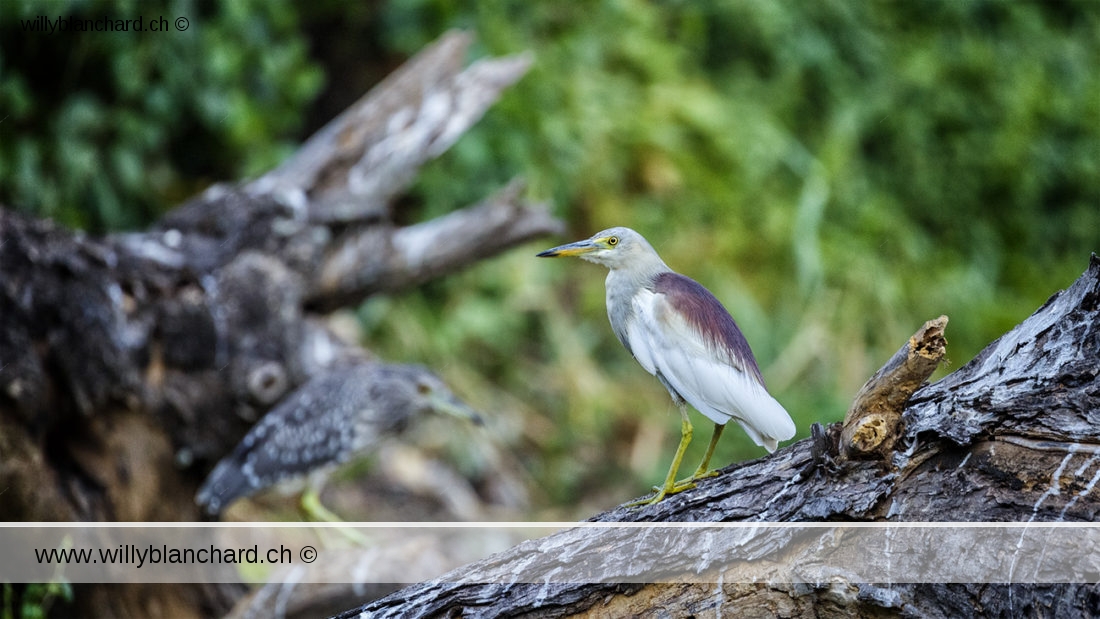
<point x="328" y="420"/>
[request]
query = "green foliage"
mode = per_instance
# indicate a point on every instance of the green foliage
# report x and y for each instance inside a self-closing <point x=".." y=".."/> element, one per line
<point x="34" y="600"/>
<point x="103" y="130"/>
<point x="836" y="172"/>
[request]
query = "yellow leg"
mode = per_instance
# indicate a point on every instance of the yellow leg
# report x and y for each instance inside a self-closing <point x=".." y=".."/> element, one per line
<point x="670" y="486"/>
<point x="704" y="470"/>
<point x="316" y="511"/>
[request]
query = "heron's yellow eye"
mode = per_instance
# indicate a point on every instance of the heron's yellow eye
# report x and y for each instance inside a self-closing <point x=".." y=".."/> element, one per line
<point x="613" y="241"/>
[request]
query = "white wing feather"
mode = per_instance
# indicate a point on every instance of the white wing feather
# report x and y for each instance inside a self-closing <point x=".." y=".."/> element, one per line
<point x="662" y="341"/>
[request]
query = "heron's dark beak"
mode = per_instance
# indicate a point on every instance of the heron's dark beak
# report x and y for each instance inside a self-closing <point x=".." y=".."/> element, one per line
<point x="451" y="405"/>
<point x="572" y="249"/>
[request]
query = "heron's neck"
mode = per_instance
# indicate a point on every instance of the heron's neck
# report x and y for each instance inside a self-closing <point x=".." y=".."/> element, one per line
<point x="640" y="273"/>
<point x="622" y="284"/>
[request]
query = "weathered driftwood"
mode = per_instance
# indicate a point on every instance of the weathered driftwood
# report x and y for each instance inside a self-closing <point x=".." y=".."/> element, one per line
<point x="874" y="420"/>
<point x="129" y="364"/>
<point x="1012" y="435"/>
<point x="357" y="163"/>
<point x="383" y="259"/>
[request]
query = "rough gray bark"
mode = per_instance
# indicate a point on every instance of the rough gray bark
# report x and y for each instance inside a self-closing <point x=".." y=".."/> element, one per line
<point x="129" y="364"/>
<point x="1014" y="435"/>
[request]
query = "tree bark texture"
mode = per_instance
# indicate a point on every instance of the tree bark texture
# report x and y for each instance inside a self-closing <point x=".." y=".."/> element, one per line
<point x="1014" y="435"/>
<point x="130" y="364"/>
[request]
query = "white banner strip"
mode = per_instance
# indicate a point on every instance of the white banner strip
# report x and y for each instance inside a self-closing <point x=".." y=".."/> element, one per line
<point x="551" y="552"/>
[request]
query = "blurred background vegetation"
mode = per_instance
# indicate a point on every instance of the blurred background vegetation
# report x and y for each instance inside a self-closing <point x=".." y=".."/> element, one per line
<point x="835" y="172"/>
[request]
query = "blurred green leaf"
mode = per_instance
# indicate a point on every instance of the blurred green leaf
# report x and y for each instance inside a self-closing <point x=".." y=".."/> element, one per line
<point x="217" y="101"/>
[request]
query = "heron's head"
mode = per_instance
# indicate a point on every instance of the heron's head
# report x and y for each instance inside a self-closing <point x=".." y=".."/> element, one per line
<point x="615" y="248"/>
<point x="418" y="390"/>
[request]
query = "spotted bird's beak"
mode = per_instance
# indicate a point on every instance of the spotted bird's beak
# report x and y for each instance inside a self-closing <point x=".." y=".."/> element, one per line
<point x="572" y="249"/>
<point x="451" y="405"/>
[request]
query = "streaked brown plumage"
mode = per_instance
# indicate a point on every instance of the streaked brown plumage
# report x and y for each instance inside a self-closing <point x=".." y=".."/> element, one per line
<point x="337" y="415"/>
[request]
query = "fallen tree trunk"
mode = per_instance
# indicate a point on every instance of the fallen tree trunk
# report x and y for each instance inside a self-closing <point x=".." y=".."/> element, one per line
<point x="130" y="364"/>
<point x="1014" y="435"/>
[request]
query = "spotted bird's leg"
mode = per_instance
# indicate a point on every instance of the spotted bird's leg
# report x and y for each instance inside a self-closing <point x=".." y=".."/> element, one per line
<point x="315" y="510"/>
